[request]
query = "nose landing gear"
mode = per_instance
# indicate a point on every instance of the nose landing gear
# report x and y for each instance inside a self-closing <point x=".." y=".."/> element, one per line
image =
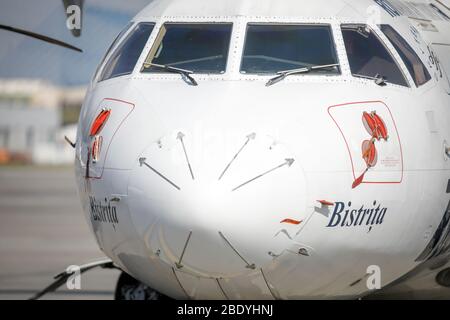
<point x="443" y="278"/>
<point x="129" y="288"/>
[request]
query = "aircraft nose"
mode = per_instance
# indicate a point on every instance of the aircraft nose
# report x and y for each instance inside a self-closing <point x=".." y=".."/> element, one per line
<point x="216" y="210"/>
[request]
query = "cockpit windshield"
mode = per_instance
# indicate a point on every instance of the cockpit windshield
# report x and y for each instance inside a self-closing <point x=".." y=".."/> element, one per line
<point x="369" y="57"/>
<point x="197" y="47"/>
<point x="272" y="48"/>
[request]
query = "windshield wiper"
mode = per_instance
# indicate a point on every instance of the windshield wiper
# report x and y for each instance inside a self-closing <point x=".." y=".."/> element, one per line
<point x="378" y="79"/>
<point x="183" y="72"/>
<point x="283" y="74"/>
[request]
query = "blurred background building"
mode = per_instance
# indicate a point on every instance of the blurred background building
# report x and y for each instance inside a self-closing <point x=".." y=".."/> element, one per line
<point x="42" y="87"/>
<point x="35" y="116"/>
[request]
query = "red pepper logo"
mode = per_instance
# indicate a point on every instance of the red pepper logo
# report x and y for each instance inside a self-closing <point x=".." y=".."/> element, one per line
<point x="96" y="127"/>
<point x="99" y="122"/>
<point x="376" y="127"/>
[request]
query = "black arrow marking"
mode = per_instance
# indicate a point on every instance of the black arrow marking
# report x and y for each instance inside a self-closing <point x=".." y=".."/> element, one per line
<point x="179" y="283"/>
<point x="249" y="137"/>
<point x="288" y="162"/>
<point x="248" y="265"/>
<point x="142" y="161"/>
<point x="180" y="137"/>
<point x="178" y="264"/>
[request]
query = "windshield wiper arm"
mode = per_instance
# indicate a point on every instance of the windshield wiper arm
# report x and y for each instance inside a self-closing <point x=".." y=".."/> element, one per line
<point x="378" y="79"/>
<point x="283" y="74"/>
<point x="183" y="72"/>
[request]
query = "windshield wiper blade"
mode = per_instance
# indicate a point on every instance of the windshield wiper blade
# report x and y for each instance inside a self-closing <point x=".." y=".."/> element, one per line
<point x="183" y="72"/>
<point x="283" y="74"/>
<point x="378" y="79"/>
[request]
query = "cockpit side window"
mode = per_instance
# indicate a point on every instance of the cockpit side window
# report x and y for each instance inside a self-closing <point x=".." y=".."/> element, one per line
<point x="113" y="45"/>
<point x="369" y="57"/>
<point x="124" y="58"/>
<point x="271" y="48"/>
<point x="196" y="47"/>
<point x="416" y="68"/>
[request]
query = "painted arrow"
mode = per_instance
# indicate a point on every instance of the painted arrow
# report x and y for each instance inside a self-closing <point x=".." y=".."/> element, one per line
<point x="248" y="265"/>
<point x="288" y="163"/>
<point x="180" y="137"/>
<point x="142" y="162"/>
<point x="178" y="264"/>
<point x="251" y="136"/>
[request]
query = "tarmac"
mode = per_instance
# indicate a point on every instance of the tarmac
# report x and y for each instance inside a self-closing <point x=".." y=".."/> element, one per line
<point x="42" y="232"/>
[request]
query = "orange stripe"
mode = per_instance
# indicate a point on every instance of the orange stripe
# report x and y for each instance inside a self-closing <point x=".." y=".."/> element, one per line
<point x="326" y="203"/>
<point x="291" y="221"/>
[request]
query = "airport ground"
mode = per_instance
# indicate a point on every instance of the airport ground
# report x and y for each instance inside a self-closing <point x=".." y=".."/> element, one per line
<point x="42" y="232"/>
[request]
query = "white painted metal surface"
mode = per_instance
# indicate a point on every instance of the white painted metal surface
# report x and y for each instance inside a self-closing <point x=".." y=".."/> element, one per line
<point x="159" y="210"/>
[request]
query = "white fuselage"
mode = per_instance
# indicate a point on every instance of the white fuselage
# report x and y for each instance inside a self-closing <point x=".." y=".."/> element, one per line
<point x="211" y="191"/>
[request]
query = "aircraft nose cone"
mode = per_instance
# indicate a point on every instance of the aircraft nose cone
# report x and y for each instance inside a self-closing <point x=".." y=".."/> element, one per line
<point x="216" y="210"/>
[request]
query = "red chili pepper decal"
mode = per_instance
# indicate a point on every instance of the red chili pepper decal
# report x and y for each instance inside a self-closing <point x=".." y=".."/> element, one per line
<point x="369" y="153"/>
<point x="99" y="122"/>
<point x="380" y="127"/>
<point x="376" y="127"/>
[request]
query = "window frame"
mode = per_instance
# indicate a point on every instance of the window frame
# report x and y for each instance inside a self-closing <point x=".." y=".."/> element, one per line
<point x="132" y="28"/>
<point x="391" y="51"/>
<point x="161" y="26"/>
<point x="402" y="38"/>
<point x="280" y="23"/>
<point x="116" y="42"/>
